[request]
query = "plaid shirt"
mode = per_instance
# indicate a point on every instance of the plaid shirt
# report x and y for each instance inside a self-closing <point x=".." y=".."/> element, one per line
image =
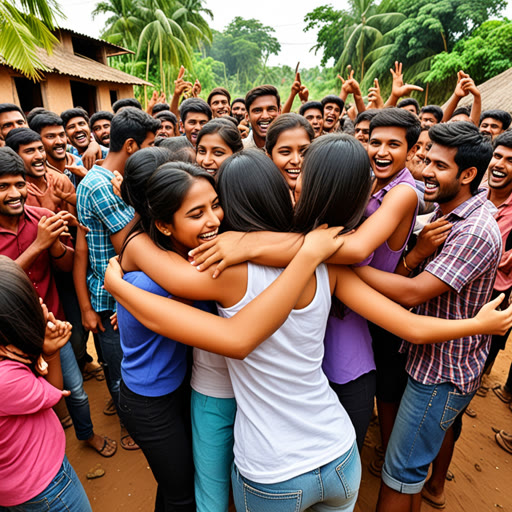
<point x="104" y="214"/>
<point x="467" y="262"/>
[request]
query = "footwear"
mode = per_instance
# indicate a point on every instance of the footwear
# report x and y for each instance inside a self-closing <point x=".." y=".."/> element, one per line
<point x="375" y="466"/>
<point x="95" y="472"/>
<point x="470" y="412"/>
<point x="66" y="422"/>
<point x="504" y="395"/>
<point x="450" y="476"/>
<point x="110" y="408"/>
<point x="107" y="446"/>
<point x="438" y="502"/>
<point x="129" y="445"/>
<point x="506" y="436"/>
<point x="503" y="442"/>
<point x="482" y="391"/>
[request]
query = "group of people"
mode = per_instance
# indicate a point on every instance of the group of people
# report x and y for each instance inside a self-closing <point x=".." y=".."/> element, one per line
<point x="316" y="262"/>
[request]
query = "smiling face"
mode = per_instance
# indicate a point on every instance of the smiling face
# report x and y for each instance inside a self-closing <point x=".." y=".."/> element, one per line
<point x="13" y="192"/>
<point x="11" y="120"/>
<point x="219" y="105"/>
<point x="316" y="120"/>
<point x="34" y="157"/>
<point x="332" y="113"/>
<point x="362" y="132"/>
<point x="238" y="111"/>
<point x="416" y="163"/>
<point x="166" y="129"/>
<point x="387" y="149"/>
<point x="211" y="152"/>
<point x="491" y="127"/>
<point x="288" y="154"/>
<point x="101" y="131"/>
<point x="262" y="112"/>
<point x="193" y="124"/>
<point x="79" y="133"/>
<point x="54" y="141"/>
<point x="198" y="218"/>
<point x="500" y="168"/>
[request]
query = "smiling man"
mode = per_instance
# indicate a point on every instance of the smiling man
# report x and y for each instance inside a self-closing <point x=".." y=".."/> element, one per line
<point x="100" y="127"/>
<point x="494" y="122"/>
<point x="194" y="114"/>
<point x="11" y="116"/>
<point x="219" y="99"/>
<point x="313" y="112"/>
<point x="263" y="105"/>
<point x="333" y="107"/>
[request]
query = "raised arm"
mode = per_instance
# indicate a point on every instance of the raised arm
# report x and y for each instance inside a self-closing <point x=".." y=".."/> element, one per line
<point x="287" y="107"/>
<point x="399" y="89"/>
<point x="235" y="337"/>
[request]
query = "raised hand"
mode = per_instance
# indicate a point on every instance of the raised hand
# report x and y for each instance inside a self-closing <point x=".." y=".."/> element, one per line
<point x="303" y="94"/>
<point x="180" y="85"/>
<point x="196" y="89"/>
<point x="374" y="97"/>
<point x="400" y="89"/>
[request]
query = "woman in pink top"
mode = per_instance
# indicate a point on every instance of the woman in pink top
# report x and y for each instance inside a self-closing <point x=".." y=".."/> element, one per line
<point x="35" y="474"/>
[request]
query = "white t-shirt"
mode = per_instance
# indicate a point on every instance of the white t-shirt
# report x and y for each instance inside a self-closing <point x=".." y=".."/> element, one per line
<point x="289" y="421"/>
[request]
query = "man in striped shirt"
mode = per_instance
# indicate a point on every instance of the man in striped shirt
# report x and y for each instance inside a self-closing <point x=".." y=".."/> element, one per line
<point x="454" y="282"/>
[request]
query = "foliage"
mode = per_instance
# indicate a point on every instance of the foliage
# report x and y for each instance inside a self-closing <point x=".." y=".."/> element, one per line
<point x="485" y="54"/>
<point x="24" y="26"/>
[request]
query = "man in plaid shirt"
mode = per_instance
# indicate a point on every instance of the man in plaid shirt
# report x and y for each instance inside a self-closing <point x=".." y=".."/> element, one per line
<point x="454" y="282"/>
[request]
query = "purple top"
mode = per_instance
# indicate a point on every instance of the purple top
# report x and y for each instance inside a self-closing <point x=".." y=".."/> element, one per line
<point x="348" y="343"/>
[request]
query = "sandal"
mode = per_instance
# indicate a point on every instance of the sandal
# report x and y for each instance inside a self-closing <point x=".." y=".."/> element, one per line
<point x="110" y="408"/>
<point x="482" y="391"/>
<point x="66" y="422"/>
<point x="127" y="445"/>
<point x="96" y="472"/>
<point x="502" y="394"/>
<point x="504" y="442"/>
<point x="450" y="476"/>
<point x="438" y="502"/>
<point x="470" y="412"/>
<point x="107" y="445"/>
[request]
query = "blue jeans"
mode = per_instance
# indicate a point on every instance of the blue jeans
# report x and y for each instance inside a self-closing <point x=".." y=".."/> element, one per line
<point x="212" y="444"/>
<point x="426" y="412"/>
<point x="332" y="487"/>
<point x="63" y="494"/>
<point x="110" y="344"/>
<point x="77" y="402"/>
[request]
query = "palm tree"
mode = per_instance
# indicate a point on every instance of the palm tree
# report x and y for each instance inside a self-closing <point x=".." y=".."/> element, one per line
<point x="24" y="26"/>
<point x="365" y="32"/>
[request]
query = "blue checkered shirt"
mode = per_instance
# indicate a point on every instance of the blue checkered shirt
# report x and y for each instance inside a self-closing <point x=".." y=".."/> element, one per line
<point x="104" y="214"/>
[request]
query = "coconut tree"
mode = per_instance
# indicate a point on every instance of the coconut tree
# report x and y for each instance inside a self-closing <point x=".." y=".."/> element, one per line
<point x="26" y="25"/>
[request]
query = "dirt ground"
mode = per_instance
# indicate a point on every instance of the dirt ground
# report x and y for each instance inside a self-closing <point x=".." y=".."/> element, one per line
<point x="482" y="470"/>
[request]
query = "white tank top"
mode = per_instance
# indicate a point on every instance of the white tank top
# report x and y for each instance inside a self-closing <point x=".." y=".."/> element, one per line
<point x="289" y="421"/>
<point x="210" y="375"/>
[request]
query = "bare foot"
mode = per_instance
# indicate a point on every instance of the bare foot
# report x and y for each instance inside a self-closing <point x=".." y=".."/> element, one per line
<point x="105" y="446"/>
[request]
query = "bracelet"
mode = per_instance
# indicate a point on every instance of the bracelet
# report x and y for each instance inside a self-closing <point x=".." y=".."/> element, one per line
<point x="405" y="264"/>
<point x="62" y="255"/>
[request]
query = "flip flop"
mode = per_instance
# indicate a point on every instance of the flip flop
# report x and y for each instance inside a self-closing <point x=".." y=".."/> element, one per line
<point x="107" y="442"/>
<point x="482" y="391"/>
<point x="66" y="422"/>
<point x="110" y="408"/>
<point x="470" y="412"/>
<point x="503" y="443"/>
<point x="450" y="476"/>
<point x="438" y="502"/>
<point x="502" y="394"/>
<point x="95" y="472"/>
<point x="126" y="445"/>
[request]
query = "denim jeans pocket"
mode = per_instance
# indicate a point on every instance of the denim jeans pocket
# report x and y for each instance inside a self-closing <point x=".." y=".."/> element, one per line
<point x="349" y="473"/>
<point x="455" y="402"/>
<point x="44" y="500"/>
<point x="258" y="500"/>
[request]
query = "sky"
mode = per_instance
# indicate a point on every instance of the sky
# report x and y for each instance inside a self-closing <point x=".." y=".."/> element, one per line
<point x="286" y="17"/>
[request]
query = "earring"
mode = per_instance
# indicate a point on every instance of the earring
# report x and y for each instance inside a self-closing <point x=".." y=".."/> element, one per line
<point x="167" y="233"/>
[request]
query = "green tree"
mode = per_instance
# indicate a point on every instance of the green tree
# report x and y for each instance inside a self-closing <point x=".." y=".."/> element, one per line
<point x="26" y="25"/>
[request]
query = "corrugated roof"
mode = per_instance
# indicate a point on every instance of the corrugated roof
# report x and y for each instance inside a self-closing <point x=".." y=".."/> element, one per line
<point x="495" y="93"/>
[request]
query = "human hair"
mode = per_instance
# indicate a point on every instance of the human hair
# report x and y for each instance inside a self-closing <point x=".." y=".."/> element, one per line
<point x="409" y="101"/>
<point x="253" y="194"/>
<point x="473" y="148"/>
<point x="238" y="100"/>
<point x="22" y="322"/>
<point x="36" y="111"/>
<point x="462" y="111"/>
<point x="11" y="107"/>
<point x="331" y="98"/>
<point x="196" y="105"/>
<point x="21" y="136"/>
<point x="166" y="190"/>
<point x="130" y="123"/>
<point x="283" y="123"/>
<point x="97" y="116"/>
<point x="218" y="90"/>
<point x="336" y="183"/>
<point x="167" y="115"/>
<point x="126" y="102"/>
<point x="180" y="147"/>
<point x="503" y="139"/>
<point x="261" y="90"/>
<point x="226" y="130"/>
<point x="500" y="115"/>
<point x="69" y="114"/>
<point x="435" y="110"/>
<point x="366" y="115"/>
<point x="400" y="118"/>
<point x="309" y="105"/>
<point x="11" y="163"/>
<point x="44" y="120"/>
<point x="161" y="107"/>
